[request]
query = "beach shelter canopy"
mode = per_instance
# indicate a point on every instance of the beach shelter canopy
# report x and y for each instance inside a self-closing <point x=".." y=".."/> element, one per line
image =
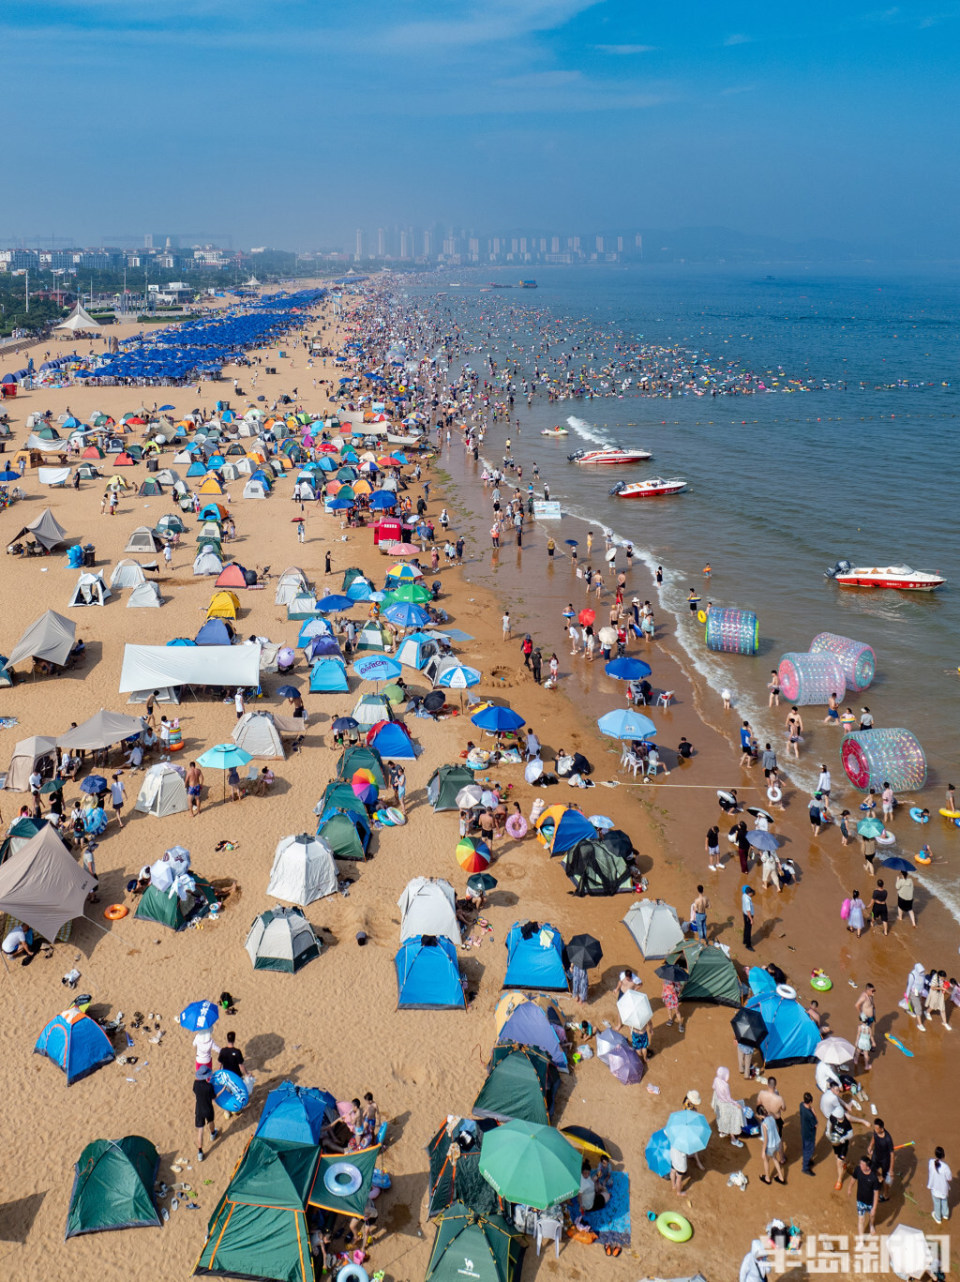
<point x="445" y="783"/>
<point x="45" y="530"/>
<point x="428" y="975"/>
<point x="454" y="1154"/>
<point x="75" y="1043"/>
<point x="102" y="730"/>
<point x="428" y="906"/>
<point x="113" y="1187"/>
<point x="655" y="927"/>
<point x="127" y="574"/>
<point x="43" y="885"/>
<point x="281" y="939"/>
<point x="535" y="958"/>
<point x="79" y="319"/>
<point x="345" y="832"/>
<point x="142" y="539"/>
<point x="521" y="1084"/>
<point x="296" y="1114"/>
<point x="36" y="753"/>
<point x="90" y="589"/>
<point x="713" y="976"/>
<point x="481" y="1248"/>
<point x="258" y="734"/>
<point x="148" y="667"/>
<point x="303" y="870"/>
<point x="792" y="1036"/>
<point x="162" y="792"/>
<point x="597" y="869"/>
<point x="51" y="637"/>
<point x="145" y="596"/>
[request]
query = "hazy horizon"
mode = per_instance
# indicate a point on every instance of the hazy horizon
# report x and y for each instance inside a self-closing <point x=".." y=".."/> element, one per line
<point x="292" y="126"/>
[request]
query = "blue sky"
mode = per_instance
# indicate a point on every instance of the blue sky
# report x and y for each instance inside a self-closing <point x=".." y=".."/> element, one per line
<point x="290" y="124"/>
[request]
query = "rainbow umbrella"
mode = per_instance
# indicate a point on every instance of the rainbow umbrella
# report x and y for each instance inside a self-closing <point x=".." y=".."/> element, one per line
<point x="473" y="856"/>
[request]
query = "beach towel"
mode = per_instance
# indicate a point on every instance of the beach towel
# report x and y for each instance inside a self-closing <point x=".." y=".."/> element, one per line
<point x="611" y="1223"/>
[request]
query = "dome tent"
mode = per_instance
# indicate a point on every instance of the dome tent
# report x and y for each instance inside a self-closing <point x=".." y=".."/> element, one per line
<point x="39" y="752"/>
<point x="127" y="573"/>
<point x="392" y="740"/>
<point x="655" y="927"/>
<point x="521" y="1085"/>
<point x="142" y="539"/>
<point x="281" y="939"/>
<point x="113" y="1183"/>
<point x="290" y="584"/>
<point x="90" y="589"/>
<point x="535" y="958"/>
<point x="428" y="976"/>
<point x="490" y="1243"/>
<point x="713" y="976"/>
<point x="359" y="757"/>
<point x="596" y="869"/>
<point x="162" y="792"/>
<point x="145" y="596"/>
<point x="259" y="733"/>
<point x="75" y="1043"/>
<point x="329" y="676"/>
<point x="528" y="1023"/>
<point x="792" y="1036"/>
<point x="303" y="870"/>
<point x="455" y="1169"/>
<point x="429" y="907"/>
<point x="206" y="562"/>
<point x="170" y="910"/>
<point x="345" y="832"/>
<point x="445" y="783"/>
<point x="296" y="1114"/>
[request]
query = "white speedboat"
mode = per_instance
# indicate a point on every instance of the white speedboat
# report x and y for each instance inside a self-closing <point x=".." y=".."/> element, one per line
<point x="609" y="456"/>
<point x="900" y="577"/>
<point x="554" y="431"/>
<point x="651" y="489"/>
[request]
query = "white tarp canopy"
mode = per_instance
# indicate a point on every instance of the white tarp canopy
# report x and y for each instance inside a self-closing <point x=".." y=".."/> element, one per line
<point x="429" y="907"/>
<point x="43" y="885"/>
<point x="148" y="667"/>
<point x="102" y="730"/>
<point x="51" y="637"/>
<point x="53" y="475"/>
<point x="79" y="318"/>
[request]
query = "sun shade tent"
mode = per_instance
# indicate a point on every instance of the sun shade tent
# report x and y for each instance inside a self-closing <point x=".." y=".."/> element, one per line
<point x="259" y="1227"/>
<point x="392" y="740"/>
<point x="143" y="539"/>
<point x="281" y="939"/>
<point x="102" y="730"/>
<point x="162" y="792"/>
<point x="521" y="1085"/>
<point x="359" y="757"/>
<point x="75" y="1043"/>
<point x="428" y="975"/>
<point x="90" y="589"/>
<point x="50" y="638"/>
<point x="296" y="1114"/>
<point x="43" y="885"/>
<point x="655" y="928"/>
<point x="415" y="650"/>
<point x="454" y="1154"/>
<point x="149" y="667"/>
<point x="429" y="907"/>
<point x="445" y="783"/>
<point x="113" y="1185"/>
<point x="127" y="574"/>
<point x="36" y="753"/>
<point x="535" y="958"/>
<point x="291" y="584"/>
<point x="712" y="974"/>
<point x="145" y="596"/>
<point x="303" y="870"/>
<point x="596" y="869"/>
<point x="45" y="529"/>
<point x="792" y="1036"/>
<point x="491" y="1247"/>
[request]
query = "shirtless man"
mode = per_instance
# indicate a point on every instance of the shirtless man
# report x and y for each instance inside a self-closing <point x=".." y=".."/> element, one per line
<point x="866" y="1009"/>
<point x="194" y="781"/>
<point x="773" y="1102"/>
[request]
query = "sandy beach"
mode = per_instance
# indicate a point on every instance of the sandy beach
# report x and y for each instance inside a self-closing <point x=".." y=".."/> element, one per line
<point x="335" y="1025"/>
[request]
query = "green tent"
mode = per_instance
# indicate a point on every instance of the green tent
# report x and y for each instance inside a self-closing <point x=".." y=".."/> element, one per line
<point x="19" y="834"/>
<point x="361" y="758"/>
<point x="349" y="576"/>
<point x="521" y="1084"/>
<point x="259" y="1228"/>
<point x="344" y="1180"/>
<point x="455" y="1176"/>
<point x="340" y="796"/>
<point x="342" y="837"/>
<point x="167" y="910"/>
<point x="113" y="1187"/>
<point x="713" y="976"/>
<point x="480" y="1248"/>
<point x="444" y="785"/>
<point x="596" y="869"/>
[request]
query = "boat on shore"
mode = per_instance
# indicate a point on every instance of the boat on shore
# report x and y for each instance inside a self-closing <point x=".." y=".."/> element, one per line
<point x="651" y="489"/>
<point x="555" y="431"/>
<point x="609" y="456"/>
<point x="899" y="577"/>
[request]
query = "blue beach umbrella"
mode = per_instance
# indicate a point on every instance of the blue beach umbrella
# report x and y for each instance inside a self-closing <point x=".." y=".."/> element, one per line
<point x="624" y="723"/>
<point x="340" y="505"/>
<point x="496" y="718"/>
<point x="94" y="784"/>
<point x="288" y="692"/>
<point x="688" y="1132"/>
<point x="377" y="667"/>
<point x="199" y="1015"/>
<point x="224" y="756"/>
<point x="406" y="615"/>
<point x="344" y="724"/>
<point x="459" y="677"/>
<point x="898" y="864"/>
<point x="627" y="669"/>
<point x="334" y="603"/>
<point x="761" y="840"/>
<point x="657" y="1154"/>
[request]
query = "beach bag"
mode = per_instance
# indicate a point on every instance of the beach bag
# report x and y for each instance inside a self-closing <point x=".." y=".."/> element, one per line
<point x="845" y="909"/>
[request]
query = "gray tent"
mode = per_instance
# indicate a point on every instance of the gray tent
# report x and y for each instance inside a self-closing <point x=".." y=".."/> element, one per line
<point x="127" y="574"/>
<point x="142" y="539"/>
<point x="43" y="885"/>
<point x="281" y="939"/>
<point x="101" y="731"/>
<point x="429" y="907"/>
<point x="290" y="584"/>
<point x="90" y="590"/>
<point x="145" y="595"/>
<point x="28" y="755"/>
<point x="206" y="562"/>
<point x="162" y="792"/>
<point x="45" y="529"/>
<point x="303" y="870"/>
<point x="50" y="637"/>
<point x="254" y="490"/>
<point x="259" y="733"/>
<point x="655" y="927"/>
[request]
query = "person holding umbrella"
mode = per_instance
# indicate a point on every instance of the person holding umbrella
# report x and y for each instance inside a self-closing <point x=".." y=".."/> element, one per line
<point x="583" y="953"/>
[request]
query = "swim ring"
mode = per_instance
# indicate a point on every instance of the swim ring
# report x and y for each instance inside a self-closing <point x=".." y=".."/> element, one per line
<point x="674" y="1227"/>
<point x="787" y="992"/>
<point x="353" y="1273"/>
<point x="949" y="814"/>
<point x="886" y="838"/>
<point x="701" y="616"/>
<point x="917" y="815"/>
<point x="342" y="1178"/>
<point x="820" y="981"/>
<point x="395" y="817"/>
<point x="517" y="827"/>
<point x="774" y="793"/>
<point x="920" y="859"/>
<point x="115" y="912"/>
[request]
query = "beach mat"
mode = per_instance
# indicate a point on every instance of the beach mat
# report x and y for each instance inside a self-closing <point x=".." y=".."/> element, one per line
<point x="611" y="1223"/>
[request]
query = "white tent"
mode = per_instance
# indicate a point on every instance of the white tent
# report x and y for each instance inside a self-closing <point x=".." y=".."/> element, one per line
<point x="90" y="590"/>
<point x="230" y="472"/>
<point x="29" y="755"/>
<point x="148" y="667"/>
<point x="79" y="319"/>
<point x="127" y="574"/>
<point x="245" y="466"/>
<point x="428" y="906"/>
<point x="656" y="928"/>
<point x="162" y="792"/>
<point x="43" y="885"/>
<point x="257" y="734"/>
<point x="145" y="596"/>
<point x="292" y="583"/>
<point x="303" y="870"/>
<point x="142" y="539"/>
<point x="51" y="637"/>
<point x="168" y="476"/>
<point x="254" y="490"/>
<point x="281" y="939"/>
<point x="206" y="562"/>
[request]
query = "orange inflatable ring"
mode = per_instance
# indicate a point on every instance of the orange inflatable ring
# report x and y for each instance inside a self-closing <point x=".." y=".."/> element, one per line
<point x="115" y="912"/>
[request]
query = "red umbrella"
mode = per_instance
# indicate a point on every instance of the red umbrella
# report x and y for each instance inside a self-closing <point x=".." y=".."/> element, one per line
<point x="587" y="616"/>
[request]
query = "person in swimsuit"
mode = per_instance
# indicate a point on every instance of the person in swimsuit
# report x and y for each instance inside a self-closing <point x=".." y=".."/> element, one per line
<point x="194" y="782"/>
<point x="833" y="711"/>
<point x="794" y="725"/>
<point x="773" y="685"/>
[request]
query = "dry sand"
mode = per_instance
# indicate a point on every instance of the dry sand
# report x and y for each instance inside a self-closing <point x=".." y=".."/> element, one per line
<point x="335" y="1024"/>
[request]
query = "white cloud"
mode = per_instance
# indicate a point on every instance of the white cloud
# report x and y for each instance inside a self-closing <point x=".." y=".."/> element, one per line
<point x="625" y="50"/>
<point x="497" y="20"/>
<point x="738" y="38"/>
<point x="541" y="80"/>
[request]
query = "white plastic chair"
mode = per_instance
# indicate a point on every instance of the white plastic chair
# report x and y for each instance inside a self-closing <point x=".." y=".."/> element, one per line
<point x="549" y="1230"/>
<point x="630" y="761"/>
<point x="664" y="698"/>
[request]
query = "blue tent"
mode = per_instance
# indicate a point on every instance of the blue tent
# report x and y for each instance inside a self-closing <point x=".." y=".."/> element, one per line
<point x="328" y="676"/>
<point x="215" y="632"/>
<point x="197" y="469"/>
<point x="792" y="1036"/>
<point x="210" y="513"/>
<point x="530" y="1025"/>
<point x="572" y="828"/>
<point x="760" y="980"/>
<point x="428" y="977"/>
<point x="312" y="628"/>
<point x="393" y="742"/>
<point x="76" y="1044"/>
<point x="535" y="958"/>
<point x="324" y="647"/>
<point x="296" y="1114"/>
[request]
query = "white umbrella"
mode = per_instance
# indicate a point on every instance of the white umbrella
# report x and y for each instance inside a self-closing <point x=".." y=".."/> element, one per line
<point x="608" y="636"/>
<point x="469" y="796"/>
<point x="635" y="1009"/>
<point x="533" y="770"/>
<point x="835" y="1050"/>
<point x="910" y="1255"/>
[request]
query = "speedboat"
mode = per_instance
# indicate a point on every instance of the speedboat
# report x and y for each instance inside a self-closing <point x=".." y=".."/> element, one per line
<point x="901" y="577"/>
<point x="649" y="489"/>
<point x="555" y="431"/>
<point x="609" y="456"/>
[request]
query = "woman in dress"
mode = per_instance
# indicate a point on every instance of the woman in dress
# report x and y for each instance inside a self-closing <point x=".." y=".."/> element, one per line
<point x="935" y="996"/>
<point x="671" y="1002"/>
<point x="855" y="921"/>
<point x="728" y="1111"/>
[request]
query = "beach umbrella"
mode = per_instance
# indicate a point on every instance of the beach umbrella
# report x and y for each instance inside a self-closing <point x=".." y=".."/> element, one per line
<point x="749" y="1027"/>
<point x="393" y="694"/>
<point x="414" y="592"/>
<point x="761" y="840"/>
<point x="909" y="1252"/>
<point x="495" y="718"/>
<point x="584" y="951"/>
<point x="402" y="549"/>
<point x="199" y="1015"/>
<point x="377" y="668"/>
<point x="459" y="677"/>
<point x="473" y="856"/>
<point x="870" y="828"/>
<point x="481" y="883"/>
<point x="688" y="1132"/>
<point x="531" y="1164"/>
<point x="405" y="573"/>
<point x="364" y="789"/>
<point x="898" y="865"/>
<point x="433" y="701"/>
<point x="587" y="616"/>
<point x="344" y="724"/>
<point x="94" y="784"/>
<point x="406" y="615"/>
<point x="657" y="1154"/>
<point x="672" y="974"/>
<point x="625" y="723"/>
<point x="164" y="408"/>
<point x="627" y="669"/>
<point x="533" y="770"/>
<point x="340" y="505"/>
<point x="601" y="822"/>
<point x="335" y="602"/>
<point x="288" y="692"/>
<point x="469" y="796"/>
<point x="635" y="1009"/>
<point x="607" y="635"/>
<point x="586" y="1140"/>
<point x="8" y="475"/>
<point x="835" y="1050"/>
<point x="224" y="756"/>
<point x="53" y="785"/>
<point x="572" y="543"/>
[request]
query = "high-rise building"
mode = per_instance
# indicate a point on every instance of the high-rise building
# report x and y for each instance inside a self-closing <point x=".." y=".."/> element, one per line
<point x="599" y="243"/>
<point x="554" y="244"/>
<point x="381" y="243"/>
<point x="148" y="241"/>
<point x="428" y="243"/>
<point x="359" y="246"/>
<point x="405" y="249"/>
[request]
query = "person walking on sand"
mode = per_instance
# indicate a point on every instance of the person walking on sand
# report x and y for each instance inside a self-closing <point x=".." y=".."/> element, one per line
<point x="888" y="802"/>
<point x="878" y="906"/>
<point x="939" y="1177"/>
<point x="117" y="797"/>
<point x="905" y="892"/>
<point x="203" y="1107"/>
<point x="712" y="845"/>
<point x="855" y="916"/>
<point x="505" y="625"/>
<point x="194" y="781"/>
<point x="773" y="685"/>
<point x="772" y="1147"/>
<point x="728" y="1111"/>
<point x="746" y="907"/>
<point x="238" y="703"/>
<point x="698" y="911"/>
<point x="808" y="1133"/>
<point x="866" y="1008"/>
<point x="935" y="1002"/>
<point x="912" y="1001"/>
<point x="794" y="724"/>
<point x="868" y="1195"/>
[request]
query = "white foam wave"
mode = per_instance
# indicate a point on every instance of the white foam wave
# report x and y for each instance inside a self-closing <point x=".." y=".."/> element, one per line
<point x="586" y="430"/>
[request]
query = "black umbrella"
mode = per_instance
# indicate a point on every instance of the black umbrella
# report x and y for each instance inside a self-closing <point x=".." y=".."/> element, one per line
<point x="584" y="951"/>
<point x="672" y="974"/>
<point x="434" y="701"/>
<point x="749" y="1027"/>
<point x="618" y="843"/>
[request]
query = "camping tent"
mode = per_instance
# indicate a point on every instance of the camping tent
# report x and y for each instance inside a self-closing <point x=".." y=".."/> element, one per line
<point x="209" y="486"/>
<point x="415" y="649"/>
<point x="361" y="758"/>
<point x="145" y="596"/>
<point x="655" y="927"/>
<point x="559" y="828"/>
<point x="481" y="1248"/>
<point x="303" y="870"/>
<point x="372" y="636"/>
<point x="51" y="638"/>
<point x="713" y="976"/>
<point x="259" y="733"/>
<point x="595" y="869"/>
<point x="90" y="589"/>
<point x="296" y="1114"/>
<point x="392" y="740"/>
<point x="43" y="885"/>
<point x="281" y="939"/>
<point x="232" y="576"/>
<point x="170" y="910"/>
<point x="113" y="1187"/>
<point x="142" y="539"/>
<point x="372" y="708"/>
<point x="215" y="632"/>
<point x="75" y="1043"/>
<point x="528" y="1023"/>
<point x="79" y="319"/>
<point x="206" y="562"/>
<point x="39" y="752"/>
<point x="162" y="792"/>
<point x="102" y="730"/>
<point x="150" y="488"/>
<point x="45" y="529"/>
<point x="345" y="832"/>
<point x="521" y="1085"/>
<point x="259" y="1227"/>
<point x="429" y="907"/>
<point x="455" y="1168"/>
<point x="445" y="783"/>
<point x="329" y="676"/>
<point x="255" y="490"/>
<point x="290" y="584"/>
<point x="149" y="667"/>
<point x="223" y="605"/>
<point x="792" y="1036"/>
<point x="535" y="958"/>
<point x="18" y="834"/>
<point x="428" y="976"/>
<point x="127" y="574"/>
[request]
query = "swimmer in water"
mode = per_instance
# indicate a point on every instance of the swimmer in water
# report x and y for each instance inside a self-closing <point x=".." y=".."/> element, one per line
<point x="693" y="601"/>
<point x="707" y="571"/>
